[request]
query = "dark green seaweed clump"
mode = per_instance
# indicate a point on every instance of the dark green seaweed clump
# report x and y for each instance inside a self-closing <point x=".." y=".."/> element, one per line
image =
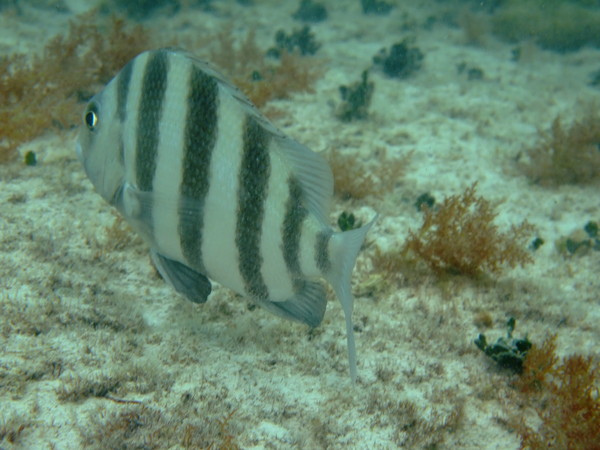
<point x="347" y="221"/>
<point x="591" y="228"/>
<point x="473" y="73"/>
<point x="302" y="41"/>
<point x="143" y="9"/>
<point x="376" y="7"/>
<point x="581" y="241"/>
<point x="509" y="353"/>
<point x="425" y="200"/>
<point x="309" y="11"/>
<point x="401" y="61"/>
<point x="356" y="99"/>
<point x="30" y="159"/>
<point x="536" y="243"/>
<point x="595" y="78"/>
<point x="13" y="4"/>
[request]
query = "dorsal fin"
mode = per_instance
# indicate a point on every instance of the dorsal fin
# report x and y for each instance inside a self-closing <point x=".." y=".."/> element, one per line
<point x="313" y="173"/>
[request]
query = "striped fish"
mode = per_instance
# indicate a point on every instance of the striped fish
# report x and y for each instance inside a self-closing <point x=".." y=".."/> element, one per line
<point x="216" y="190"/>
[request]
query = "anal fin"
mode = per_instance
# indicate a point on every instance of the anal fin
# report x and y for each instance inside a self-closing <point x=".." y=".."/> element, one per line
<point x="193" y="285"/>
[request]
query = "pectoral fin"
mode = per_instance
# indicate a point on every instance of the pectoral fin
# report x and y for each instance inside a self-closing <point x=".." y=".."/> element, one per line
<point x="307" y="306"/>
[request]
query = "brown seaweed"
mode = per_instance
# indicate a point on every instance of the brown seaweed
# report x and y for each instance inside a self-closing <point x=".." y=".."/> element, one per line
<point x="42" y="92"/>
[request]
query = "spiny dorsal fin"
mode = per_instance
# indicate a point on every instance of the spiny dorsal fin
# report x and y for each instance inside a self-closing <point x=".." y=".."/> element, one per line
<point x="313" y="173"/>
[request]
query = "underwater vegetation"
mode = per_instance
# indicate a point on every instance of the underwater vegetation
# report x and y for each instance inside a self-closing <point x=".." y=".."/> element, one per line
<point x="509" y="353"/>
<point x="144" y="9"/>
<point x="302" y="41"/>
<point x="40" y="93"/>
<point x="414" y="428"/>
<point x="12" y="428"/>
<point x="400" y="61"/>
<point x="581" y="241"/>
<point x="595" y="78"/>
<point x="141" y="426"/>
<point x="356" y="99"/>
<point x="566" y="154"/>
<point x="555" y="25"/>
<point x="376" y="7"/>
<point x="357" y="181"/>
<point x="425" y="200"/>
<point x="346" y="221"/>
<point x="309" y="11"/>
<point x="460" y="237"/>
<point x="261" y="78"/>
<point x="30" y="158"/>
<point x="472" y="73"/>
<point x="564" y="394"/>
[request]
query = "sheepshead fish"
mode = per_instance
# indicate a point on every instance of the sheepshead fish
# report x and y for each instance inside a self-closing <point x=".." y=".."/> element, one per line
<point x="216" y="190"/>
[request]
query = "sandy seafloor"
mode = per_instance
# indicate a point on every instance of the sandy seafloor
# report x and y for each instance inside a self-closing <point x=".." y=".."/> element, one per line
<point x="96" y="350"/>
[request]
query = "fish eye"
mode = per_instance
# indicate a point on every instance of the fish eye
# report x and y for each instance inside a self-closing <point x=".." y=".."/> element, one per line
<point x="91" y="118"/>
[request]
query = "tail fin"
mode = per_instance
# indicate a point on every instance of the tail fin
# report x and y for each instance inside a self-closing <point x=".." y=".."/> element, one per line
<point x="344" y="250"/>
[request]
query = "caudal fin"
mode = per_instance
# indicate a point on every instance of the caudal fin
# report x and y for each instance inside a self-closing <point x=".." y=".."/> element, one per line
<point x="344" y="248"/>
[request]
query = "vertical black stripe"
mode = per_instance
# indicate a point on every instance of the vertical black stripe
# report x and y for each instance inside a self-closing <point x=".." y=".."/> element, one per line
<point x="123" y="82"/>
<point x="295" y="213"/>
<point x="322" y="251"/>
<point x="200" y="135"/>
<point x="252" y="194"/>
<point x="154" y="85"/>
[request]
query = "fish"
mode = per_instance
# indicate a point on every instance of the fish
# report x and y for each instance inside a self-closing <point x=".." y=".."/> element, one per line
<point x="216" y="190"/>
